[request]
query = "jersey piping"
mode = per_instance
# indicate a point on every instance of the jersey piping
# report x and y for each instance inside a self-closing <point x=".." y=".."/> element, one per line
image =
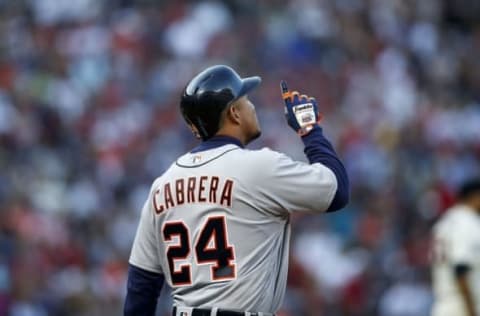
<point x="204" y="163"/>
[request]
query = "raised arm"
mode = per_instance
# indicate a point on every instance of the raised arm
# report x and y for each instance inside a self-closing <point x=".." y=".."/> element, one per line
<point x="303" y="117"/>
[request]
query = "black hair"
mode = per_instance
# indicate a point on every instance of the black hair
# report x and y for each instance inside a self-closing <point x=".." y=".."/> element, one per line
<point x="469" y="188"/>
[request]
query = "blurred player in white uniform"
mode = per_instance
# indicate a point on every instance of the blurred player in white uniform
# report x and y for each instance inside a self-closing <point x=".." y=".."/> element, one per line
<point x="456" y="256"/>
<point x="216" y="224"/>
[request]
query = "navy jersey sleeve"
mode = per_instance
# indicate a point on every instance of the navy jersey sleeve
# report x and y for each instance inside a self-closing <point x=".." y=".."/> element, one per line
<point x="143" y="289"/>
<point x="319" y="150"/>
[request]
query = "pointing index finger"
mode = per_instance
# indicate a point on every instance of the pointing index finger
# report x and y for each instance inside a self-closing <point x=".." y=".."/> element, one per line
<point x="285" y="92"/>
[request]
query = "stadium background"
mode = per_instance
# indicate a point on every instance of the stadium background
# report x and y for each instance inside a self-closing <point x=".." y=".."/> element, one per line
<point x="89" y="117"/>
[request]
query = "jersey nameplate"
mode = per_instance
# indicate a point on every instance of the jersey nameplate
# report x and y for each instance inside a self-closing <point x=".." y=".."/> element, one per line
<point x="202" y="189"/>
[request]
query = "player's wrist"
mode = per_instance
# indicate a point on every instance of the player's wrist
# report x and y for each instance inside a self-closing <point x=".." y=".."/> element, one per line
<point x="313" y="129"/>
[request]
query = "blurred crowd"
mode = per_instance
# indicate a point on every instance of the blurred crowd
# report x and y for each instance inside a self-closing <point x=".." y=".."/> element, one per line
<point x="89" y="116"/>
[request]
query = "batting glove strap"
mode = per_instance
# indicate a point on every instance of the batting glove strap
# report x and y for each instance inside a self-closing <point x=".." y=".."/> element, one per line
<point x="301" y="111"/>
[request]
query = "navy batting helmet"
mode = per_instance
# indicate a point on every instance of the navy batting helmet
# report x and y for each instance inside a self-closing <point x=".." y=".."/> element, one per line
<point x="209" y="93"/>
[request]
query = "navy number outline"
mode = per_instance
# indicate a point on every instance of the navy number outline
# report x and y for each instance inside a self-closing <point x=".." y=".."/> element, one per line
<point x="211" y="247"/>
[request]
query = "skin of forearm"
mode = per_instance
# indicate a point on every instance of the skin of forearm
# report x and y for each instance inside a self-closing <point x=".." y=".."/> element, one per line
<point x="466" y="293"/>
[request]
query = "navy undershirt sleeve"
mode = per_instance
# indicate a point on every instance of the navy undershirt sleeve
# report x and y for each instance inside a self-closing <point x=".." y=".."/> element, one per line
<point x="319" y="149"/>
<point x="461" y="269"/>
<point x="143" y="290"/>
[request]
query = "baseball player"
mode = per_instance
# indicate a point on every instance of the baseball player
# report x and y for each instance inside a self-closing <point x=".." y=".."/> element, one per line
<point x="216" y="224"/>
<point x="456" y="256"/>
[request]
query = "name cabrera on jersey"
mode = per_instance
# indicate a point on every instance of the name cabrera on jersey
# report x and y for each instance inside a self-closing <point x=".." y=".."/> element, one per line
<point x="216" y="224"/>
<point x="202" y="189"/>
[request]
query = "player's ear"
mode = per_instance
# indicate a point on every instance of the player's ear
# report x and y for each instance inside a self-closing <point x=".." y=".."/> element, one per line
<point x="233" y="113"/>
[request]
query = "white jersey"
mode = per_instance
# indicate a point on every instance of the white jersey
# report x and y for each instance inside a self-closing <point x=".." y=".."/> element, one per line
<point x="456" y="238"/>
<point x="216" y="224"/>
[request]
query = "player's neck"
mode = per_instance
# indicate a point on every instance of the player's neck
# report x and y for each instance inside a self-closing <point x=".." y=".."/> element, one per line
<point x="472" y="206"/>
<point x="227" y="139"/>
<point x="217" y="141"/>
<point x="233" y="133"/>
<point x="224" y="140"/>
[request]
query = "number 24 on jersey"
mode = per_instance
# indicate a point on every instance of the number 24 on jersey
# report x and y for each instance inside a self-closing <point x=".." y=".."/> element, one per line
<point x="219" y="254"/>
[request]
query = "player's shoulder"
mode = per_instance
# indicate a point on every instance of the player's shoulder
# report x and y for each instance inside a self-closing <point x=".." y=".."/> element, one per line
<point x="263" y="159"/>
<point x="459" y="217"/>
<point x="157" y="183"/>
<point x="163" y="178"/>
<point x="264" y="154"/>
<point x="462" y="213"/>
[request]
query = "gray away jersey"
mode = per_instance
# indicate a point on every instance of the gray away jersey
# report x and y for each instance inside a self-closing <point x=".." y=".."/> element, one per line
<point x="216" y="224"/>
